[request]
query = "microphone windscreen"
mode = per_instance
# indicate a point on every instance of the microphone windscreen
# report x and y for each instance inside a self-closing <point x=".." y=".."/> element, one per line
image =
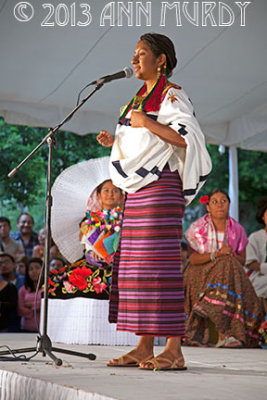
<point x="128" y="72"/>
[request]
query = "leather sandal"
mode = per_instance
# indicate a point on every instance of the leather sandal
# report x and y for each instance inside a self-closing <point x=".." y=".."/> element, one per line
<point x="173" y="364"/>
<point x="122" y="361"/>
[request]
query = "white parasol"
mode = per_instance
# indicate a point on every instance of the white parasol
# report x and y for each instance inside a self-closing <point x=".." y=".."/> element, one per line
<point x="70" y="193"/>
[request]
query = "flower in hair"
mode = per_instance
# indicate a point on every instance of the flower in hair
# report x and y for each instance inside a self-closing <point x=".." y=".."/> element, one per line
<point x="204" y="199"/>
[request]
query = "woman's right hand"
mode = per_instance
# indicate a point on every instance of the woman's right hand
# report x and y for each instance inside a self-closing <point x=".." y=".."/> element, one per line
<point x="105" y="139"/>
<point x="28" y="304"/>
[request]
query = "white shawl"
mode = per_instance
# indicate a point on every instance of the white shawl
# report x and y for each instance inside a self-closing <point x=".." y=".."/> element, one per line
<point x="138" y="156"/>
<point x="256" y="250"/>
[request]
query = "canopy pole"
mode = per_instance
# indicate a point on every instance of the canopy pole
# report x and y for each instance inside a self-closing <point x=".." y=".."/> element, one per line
<point x="233" y="182"/>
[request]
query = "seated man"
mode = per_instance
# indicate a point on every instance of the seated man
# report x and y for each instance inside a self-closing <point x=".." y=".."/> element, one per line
<point x="25" y="233"/>
<point x="8" y="274"/>
<point x="8" y="303"/>
<point x="9" y="245"/>
<point x="256" y="259"/>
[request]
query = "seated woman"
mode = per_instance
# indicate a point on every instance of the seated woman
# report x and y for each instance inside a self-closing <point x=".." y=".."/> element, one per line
<point x="27" y="306"/>
<point x="99" y="232"/>
<point x="256" y="257"/>
<point x="218" y="291"/>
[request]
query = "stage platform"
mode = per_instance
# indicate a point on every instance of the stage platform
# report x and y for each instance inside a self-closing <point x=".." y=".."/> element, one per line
<point x="212" y="374"/>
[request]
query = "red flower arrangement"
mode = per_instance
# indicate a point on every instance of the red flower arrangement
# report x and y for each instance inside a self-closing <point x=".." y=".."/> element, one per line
<point x="80" y="277"/>
<point x="204" y="199"/>
<point x="78" y="280"/>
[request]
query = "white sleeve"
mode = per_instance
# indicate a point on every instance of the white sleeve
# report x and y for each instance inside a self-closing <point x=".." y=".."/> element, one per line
<point x="253" y="253"/>
<point x="263" y="268"/>
<point x="195" y="165"/>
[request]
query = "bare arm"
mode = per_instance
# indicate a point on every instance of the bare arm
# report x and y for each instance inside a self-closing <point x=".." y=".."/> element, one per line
<point x="241" y="257"/>
<point x="196" y="258"/>
<point x="139" y="119"/>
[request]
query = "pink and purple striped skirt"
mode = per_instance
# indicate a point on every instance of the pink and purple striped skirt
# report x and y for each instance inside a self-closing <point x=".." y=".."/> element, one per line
<point x="147" y="295"/>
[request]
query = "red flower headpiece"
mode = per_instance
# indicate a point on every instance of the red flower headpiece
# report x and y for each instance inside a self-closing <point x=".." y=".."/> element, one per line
<point x="204" y="199"/>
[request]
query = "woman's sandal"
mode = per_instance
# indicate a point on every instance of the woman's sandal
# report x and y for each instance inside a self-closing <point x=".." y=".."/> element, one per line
<point x="122" y="361"/>
<point x="229" y="343"/>
<point x="173" y="365"/>
<point x="232" y="343"/>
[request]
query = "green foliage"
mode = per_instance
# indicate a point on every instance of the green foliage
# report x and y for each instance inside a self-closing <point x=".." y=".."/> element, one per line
<point x="26" y="190"/>
<point x="252" y="182"/>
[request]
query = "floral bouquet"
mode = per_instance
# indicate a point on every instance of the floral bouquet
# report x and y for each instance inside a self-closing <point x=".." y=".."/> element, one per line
<point x="102" y="232"/>
<point x="79" y="279"/>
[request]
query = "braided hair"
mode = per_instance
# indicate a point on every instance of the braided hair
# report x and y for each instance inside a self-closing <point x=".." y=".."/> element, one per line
<point x="161" y="44"/>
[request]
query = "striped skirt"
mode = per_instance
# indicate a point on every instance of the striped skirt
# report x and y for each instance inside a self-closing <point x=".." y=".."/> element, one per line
<point x="147" y="294"/>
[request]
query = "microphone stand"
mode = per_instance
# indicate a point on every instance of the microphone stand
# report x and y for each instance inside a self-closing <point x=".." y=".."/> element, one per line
<point x="44" y="343"/>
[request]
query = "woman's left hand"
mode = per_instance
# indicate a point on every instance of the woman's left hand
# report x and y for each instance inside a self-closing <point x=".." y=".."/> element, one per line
<point x="224" y="250"/>
<point x="138" y="119"/>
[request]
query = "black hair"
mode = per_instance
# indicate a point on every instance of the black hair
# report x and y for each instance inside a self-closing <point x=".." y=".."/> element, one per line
<point x="218" y="190"/>
<point x="57" y="258"/>
<point x="25" y="213"/>
<point x="261" y="208"/>
<point x="8" y="255"/>
<point x="5" y="219"/>
<point x="28" y="283"/>
<point x="161" y="44"/>
<point x="99" y="187"/>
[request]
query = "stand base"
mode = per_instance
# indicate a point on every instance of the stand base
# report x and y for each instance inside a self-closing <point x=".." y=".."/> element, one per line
<point x="44" y="345"/>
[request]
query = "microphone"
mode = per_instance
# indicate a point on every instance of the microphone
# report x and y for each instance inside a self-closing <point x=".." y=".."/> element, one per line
<point x="127" y="72"/>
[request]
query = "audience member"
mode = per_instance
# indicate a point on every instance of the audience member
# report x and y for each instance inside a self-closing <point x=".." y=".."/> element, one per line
<point x="38" y="250"/>
<point x="25" y="233"/>
<point x="56" y="263"/>
<point x="9" y="245"/>
<point x="256" y="259"/>
<point x="21" y="265"/>
<point x="8" y="303"/>
<point x="8" y="274"/>
<point x="28" y="308"/>
<point x="218" y="291"/>
<point x="54" y="251"/>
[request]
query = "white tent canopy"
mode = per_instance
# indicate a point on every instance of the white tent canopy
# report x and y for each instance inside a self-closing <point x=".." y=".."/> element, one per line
<point x="221" y="64"/>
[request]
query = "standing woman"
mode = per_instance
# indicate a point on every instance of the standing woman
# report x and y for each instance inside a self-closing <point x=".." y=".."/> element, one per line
<point x="160" y="160"/>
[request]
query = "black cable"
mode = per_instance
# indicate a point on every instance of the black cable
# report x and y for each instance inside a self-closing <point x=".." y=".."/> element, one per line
<point x="22" y="357"/>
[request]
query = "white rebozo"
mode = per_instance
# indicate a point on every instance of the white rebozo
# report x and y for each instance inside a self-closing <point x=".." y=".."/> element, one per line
<point x="138" y="156"/>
